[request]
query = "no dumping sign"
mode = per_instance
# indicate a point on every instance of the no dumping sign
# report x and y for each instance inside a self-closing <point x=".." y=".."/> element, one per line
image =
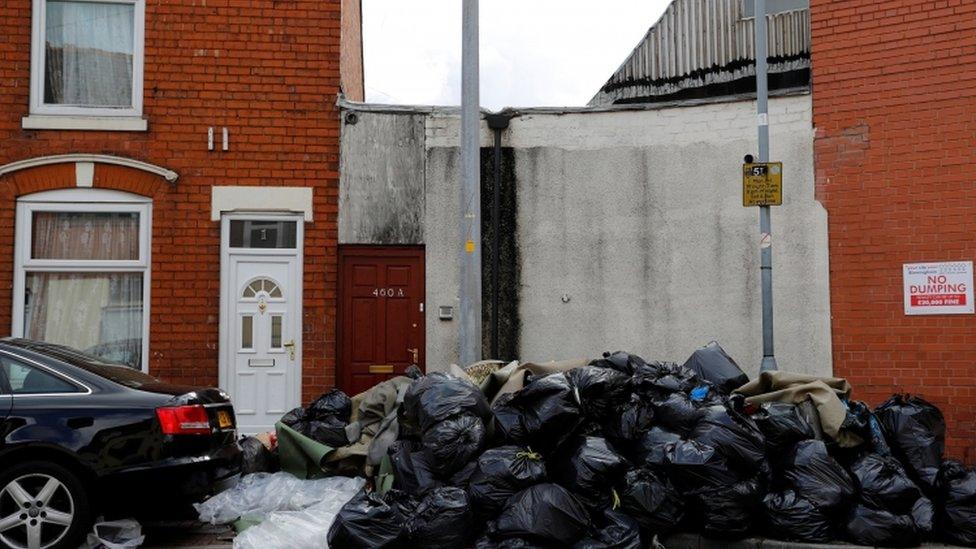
<point x="938" y="288"/>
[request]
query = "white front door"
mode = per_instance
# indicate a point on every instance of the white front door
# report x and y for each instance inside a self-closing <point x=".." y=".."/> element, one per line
<point x="261" y="355"/>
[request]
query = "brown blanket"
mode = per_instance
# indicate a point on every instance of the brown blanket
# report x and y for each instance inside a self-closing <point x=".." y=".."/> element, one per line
<point x="516" y="379"/>
<point x="824" y="392"/>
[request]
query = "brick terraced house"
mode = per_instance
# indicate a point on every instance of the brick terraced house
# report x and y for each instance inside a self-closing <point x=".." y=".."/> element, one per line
<point x="168" y="186"/>
<point x="894" y="109"/>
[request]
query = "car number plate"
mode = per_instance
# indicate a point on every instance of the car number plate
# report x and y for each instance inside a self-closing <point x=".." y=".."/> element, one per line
<point x="223" y="419"/>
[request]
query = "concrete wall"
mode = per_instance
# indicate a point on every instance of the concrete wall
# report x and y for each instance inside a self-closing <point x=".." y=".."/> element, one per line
<point x="382" y="161"/>
<point x="635" y="216"/>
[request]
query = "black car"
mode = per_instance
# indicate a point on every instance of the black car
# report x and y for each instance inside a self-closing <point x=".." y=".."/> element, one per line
<point x="80" y="436"/>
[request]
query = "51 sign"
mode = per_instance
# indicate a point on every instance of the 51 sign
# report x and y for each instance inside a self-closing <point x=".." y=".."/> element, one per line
<point x="762" y="184"/>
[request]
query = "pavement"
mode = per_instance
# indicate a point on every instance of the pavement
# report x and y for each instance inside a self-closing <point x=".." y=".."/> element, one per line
<point x="194" y="535"/>
<point x="187" y="534"/>
<point x="695" y="541"/>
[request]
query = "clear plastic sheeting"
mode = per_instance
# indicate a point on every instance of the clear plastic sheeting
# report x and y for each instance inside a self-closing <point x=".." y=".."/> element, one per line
<point x="305" y="529"/>
<point x="257" y="496"/>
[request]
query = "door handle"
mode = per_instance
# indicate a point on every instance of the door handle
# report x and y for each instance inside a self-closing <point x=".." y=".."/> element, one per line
<point x="416" y="355"/>
<point x="291" y="349"/>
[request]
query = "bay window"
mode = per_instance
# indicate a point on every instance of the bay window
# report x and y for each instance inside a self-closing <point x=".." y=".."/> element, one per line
<point x="82" y="272"/>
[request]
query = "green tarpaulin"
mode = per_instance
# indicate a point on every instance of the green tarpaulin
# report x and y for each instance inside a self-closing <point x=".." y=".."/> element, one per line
<point x="300" y="455"/>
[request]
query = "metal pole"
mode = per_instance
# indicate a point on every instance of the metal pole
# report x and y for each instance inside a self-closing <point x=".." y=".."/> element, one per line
<point x="765" y="224"/>
<point x="469" y="328"/>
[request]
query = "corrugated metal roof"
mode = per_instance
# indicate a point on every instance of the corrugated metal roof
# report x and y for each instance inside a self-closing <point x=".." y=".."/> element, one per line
<point x="697" y="43"/>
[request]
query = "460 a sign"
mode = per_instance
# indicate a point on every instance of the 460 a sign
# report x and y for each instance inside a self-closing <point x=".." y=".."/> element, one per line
<point x="388" y="292"/>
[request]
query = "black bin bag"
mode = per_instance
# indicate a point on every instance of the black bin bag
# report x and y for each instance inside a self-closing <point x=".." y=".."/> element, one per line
<point x="863" y="423"/>
<point x="792" y="518"/>
<point x="734" y="435"/>
<point x="442" y="520"/>
<point x="649" y="497"/>
<point x="612" y="530"/>
<point x="620" y="361"/>
<point x="923" y="514"/>
<point x="869" y="526"/>
<point x="366" y="521"/>
<point x="256" y="458"/>
<point x="454" y="442"/>
<point x="783" y="426"/>
<point x="957" y="491"/>
<point x="655" y="445"/>
<point x="413" y="472"/>
<point x="333" y="403"/>
<point x="329" y="430"/>
<point x="715" y="366"/>
<point x="817" y="477"/>
<point x="544" y="513"/>
<point x="297" y="419"/>
<point x="543" y="414"/>
<point x="659" y="379"/>
<point x="676" y="412"/>
<point x="436" y="397"/>
<point x="915" y="430"/>
<point x="885" y="484"/>
<point x="501" y="473"/>
<point x="488" y="542"/>
<point x="601" y="390"/>
<point x="589" y="468"/>
<point x="628" y="424"/>
<point x="694" y="466"/>
<point x="729" y="512"/>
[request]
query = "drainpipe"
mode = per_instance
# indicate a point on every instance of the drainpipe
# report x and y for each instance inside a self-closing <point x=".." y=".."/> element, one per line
<point x="498" y="123"/>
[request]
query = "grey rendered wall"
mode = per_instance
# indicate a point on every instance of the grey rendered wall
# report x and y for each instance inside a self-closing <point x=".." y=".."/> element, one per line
<point x="639" y="220"/>
<point x="636" y="217"/>
<point x="381" y="183"/>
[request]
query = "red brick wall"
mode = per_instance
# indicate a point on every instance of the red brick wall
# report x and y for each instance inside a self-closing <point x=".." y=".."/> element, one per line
<point x="269" y="72"/>
<point x="894" y="102"/>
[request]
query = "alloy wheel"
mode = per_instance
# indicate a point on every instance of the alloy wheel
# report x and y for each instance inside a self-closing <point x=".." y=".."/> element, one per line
<point x="36" y="512"/>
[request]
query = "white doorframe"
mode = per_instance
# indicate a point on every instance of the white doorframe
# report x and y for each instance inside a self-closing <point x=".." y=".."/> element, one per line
<point x="228" y="295"/>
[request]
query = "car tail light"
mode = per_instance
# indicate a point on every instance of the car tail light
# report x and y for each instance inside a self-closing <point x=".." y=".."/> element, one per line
<point x="184" y="420"/>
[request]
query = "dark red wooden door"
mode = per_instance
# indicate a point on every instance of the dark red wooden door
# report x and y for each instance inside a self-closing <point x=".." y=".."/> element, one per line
<point x="381" y="316"/>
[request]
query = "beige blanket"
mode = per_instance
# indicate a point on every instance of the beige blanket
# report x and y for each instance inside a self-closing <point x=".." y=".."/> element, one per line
<point x="516" y="380"/>
<point x="824" y="392"/>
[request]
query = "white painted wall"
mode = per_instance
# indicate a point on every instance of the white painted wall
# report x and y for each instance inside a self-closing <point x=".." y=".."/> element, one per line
<point x="636" y="215"/>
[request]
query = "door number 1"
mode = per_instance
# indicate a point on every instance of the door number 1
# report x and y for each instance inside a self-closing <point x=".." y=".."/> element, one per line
<point x="388" y="292"/>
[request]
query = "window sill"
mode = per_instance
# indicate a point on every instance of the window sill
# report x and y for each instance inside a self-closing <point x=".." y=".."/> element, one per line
<point x="97" y="123"/>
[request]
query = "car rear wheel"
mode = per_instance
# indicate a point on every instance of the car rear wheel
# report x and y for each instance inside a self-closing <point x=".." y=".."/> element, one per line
<point x="42" y="506"/>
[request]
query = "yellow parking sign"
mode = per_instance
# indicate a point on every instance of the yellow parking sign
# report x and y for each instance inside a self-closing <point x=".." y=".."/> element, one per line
<point x="762" y="184"/>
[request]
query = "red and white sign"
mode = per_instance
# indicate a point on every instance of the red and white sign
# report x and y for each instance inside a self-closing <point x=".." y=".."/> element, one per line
<point x="939" y="288"/>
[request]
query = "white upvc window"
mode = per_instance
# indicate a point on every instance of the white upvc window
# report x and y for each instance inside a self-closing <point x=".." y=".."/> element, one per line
<point x="86" y="61"/>
<point x="82" y="271"/>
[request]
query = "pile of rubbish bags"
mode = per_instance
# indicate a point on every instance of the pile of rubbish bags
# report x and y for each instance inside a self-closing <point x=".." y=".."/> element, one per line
<point x="618" y="451"/>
